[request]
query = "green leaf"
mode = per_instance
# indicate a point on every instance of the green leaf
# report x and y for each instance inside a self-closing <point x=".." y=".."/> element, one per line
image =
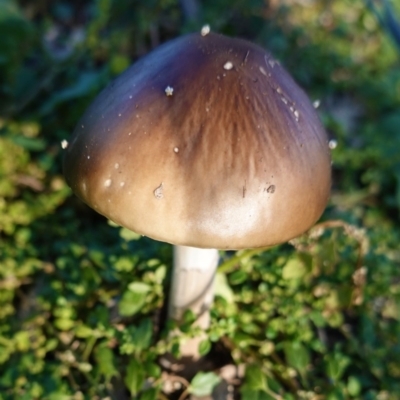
<point x="251" y="394"/>
<point x="222" y="288"/>
<point x="152" y="369"/>
<point x="160" y="273"/>
<point x="151" y="394"/>
<point x="124" y="264"/>
<point x="139" y="287"/>
<point x="133" y="299"/>
<point x="143" y="334"/>
<point x="353" y="386"/>
<point x="83" y="331"/>
<point x="119" y="63"/>
<point x="128" y="235"/>
<point x="189" y="316"/>
<point x="134" y="378"/>
<point x="255" y="378"/>
<point x="203" y="383"/>
<point x="64" y="324"/>
<point x="336" y="365"/>
<point x="293" y="269"/>
<point x="131" y="303"/>
<point x="137" y="338"/>
<point x="296" y="355"/>
<point x="237" y="277"/>
<point x="21" y="340"/>
<point x="204" y="347"/>
<point x="105" y="362"/>
<point x="85" y="366"/>
<point x="32" y="144"/>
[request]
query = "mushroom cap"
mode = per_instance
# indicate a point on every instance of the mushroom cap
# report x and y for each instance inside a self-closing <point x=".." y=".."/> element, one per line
<point x="206" y="142"/>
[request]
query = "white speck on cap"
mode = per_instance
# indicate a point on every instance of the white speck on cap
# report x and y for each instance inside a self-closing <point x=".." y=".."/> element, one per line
<point x="332" y="144"/>
<point x="205" y="30"/>
<point x="169" y="91"/>
<point x="228" y="65"/>
<point x="107" y="183"/>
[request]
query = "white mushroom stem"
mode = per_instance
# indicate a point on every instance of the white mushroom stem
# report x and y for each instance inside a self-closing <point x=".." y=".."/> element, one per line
<point x="193" y="288"/>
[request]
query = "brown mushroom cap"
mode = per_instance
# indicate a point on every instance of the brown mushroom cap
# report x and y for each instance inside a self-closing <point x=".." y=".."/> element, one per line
<point x="205" y="142"/>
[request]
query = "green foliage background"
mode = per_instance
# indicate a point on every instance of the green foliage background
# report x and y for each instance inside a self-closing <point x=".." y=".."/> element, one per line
<point x="81" y="301"/>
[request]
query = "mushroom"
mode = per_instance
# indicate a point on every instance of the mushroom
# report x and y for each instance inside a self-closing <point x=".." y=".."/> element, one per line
<point x="205" y="143"/>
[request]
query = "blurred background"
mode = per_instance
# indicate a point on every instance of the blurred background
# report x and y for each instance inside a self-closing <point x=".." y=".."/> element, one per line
<point x="82" y="302"/>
